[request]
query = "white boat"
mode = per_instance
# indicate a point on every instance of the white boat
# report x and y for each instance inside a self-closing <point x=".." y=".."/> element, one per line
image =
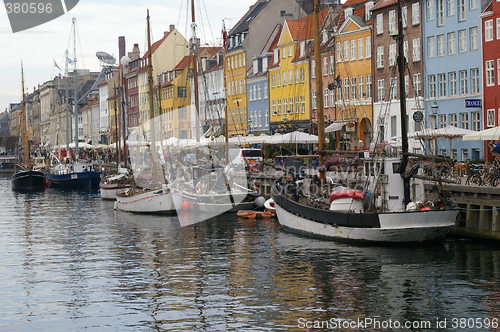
<point x="145" y="201"/>
<point x="384" y="209"/>
<point x="111" y="185"/>
<point x="149" y="193"/>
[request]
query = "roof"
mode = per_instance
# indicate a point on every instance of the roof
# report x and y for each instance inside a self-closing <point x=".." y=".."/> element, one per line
<point x="383" y="3"/>
<point x="245" y="21"/>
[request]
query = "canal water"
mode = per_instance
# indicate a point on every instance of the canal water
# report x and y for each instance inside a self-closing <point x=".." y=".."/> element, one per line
<point x="70" y="262"/>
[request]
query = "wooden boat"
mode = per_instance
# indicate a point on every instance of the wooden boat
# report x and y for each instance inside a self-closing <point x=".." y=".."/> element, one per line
<point x="250" y="214"/>
<point x="26" y="177"/>
<point x="385" y="211"/>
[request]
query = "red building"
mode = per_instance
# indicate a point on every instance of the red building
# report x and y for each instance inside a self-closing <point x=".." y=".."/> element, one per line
<point x="491" y="69"/>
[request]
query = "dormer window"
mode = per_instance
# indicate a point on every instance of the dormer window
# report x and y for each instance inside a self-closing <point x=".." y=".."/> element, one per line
<point x="368" y="6"/>
<point x="348" y="12"/>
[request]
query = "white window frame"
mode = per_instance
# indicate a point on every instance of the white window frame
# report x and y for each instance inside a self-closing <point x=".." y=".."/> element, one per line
<point x="415" y="13"/>
<point x="452" y="43"/>
<point x="489" y="66"/>
<point x="488" y="30"/>
<point x="431" y="46"/>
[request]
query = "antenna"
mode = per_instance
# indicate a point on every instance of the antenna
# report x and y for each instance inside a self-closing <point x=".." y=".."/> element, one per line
<point x="106" y="58"/>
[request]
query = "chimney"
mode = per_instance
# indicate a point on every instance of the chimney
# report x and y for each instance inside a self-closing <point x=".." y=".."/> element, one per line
<point x="135" y="52"/>
<point x="172" y="27"/>
<point x="121" y="47"/>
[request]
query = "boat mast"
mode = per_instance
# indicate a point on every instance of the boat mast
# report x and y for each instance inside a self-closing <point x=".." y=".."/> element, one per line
<point x="319" y="89"/>
<point x="195" y="45"/>
<point x="402" y="98"/>
<point x="151" y="104"/>
<point x="24" y="126"/>
<point x="75" y="97"/>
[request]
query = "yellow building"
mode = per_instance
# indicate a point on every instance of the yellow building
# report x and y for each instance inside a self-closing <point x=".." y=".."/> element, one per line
<point x="237" y="112"/>
<point x="289" y="76"/>
<point x="354" y="69"/>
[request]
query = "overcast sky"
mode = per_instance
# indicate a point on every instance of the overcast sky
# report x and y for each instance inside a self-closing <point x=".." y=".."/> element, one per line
<point x="99" y="24"/>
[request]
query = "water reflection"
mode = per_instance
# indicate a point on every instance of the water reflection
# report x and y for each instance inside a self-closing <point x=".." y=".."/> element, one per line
<point x="75" y="264"/>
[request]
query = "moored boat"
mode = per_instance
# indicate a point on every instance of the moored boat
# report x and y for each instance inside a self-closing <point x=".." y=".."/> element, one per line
<point x="73" y="175"/>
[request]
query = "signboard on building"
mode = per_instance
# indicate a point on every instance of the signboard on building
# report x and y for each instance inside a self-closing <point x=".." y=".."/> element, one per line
<point x="472" y="103"/>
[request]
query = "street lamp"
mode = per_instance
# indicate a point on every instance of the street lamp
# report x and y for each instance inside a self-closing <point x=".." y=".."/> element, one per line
<point x="435" y="107"/>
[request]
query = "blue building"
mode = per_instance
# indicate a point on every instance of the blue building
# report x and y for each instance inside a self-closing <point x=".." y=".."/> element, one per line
<point x="453" y="72"/>
<point x="258" y="96"/>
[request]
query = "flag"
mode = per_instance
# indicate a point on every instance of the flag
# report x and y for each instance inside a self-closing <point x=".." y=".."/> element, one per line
<point x="224" y="35"/>
<point x="55" y="65"/>
<point x="335" y="84"/>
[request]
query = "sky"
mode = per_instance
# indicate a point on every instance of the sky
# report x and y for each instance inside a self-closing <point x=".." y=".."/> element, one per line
<point x="99" y="23"/>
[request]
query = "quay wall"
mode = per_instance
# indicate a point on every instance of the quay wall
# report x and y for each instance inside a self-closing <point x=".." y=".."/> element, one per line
<point x="479" y="206"/>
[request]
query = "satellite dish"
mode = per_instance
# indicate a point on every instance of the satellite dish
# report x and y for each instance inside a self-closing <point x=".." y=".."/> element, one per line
<point x="106" y="58"/>
<point x="124" y="61"/>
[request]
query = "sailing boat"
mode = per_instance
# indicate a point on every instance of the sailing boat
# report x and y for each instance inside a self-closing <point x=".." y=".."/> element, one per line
<point x="77" y="173"/>
<point x="27" y="178"/>
<point x="154" y="197"/>
<point x="369" y="213"/>
<point x="214" y="185"/>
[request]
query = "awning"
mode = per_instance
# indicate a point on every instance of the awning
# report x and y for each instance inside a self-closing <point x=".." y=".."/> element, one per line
<point x="337" y="125"/>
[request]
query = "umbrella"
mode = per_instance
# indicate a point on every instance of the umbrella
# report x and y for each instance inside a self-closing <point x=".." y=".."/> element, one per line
<point x="483" y="135"/>
<point x="449" y="132"/>
<point x="294" y="137"/>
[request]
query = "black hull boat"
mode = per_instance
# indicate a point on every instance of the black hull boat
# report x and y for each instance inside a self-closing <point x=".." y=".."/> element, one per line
<point x="29" y="180"/>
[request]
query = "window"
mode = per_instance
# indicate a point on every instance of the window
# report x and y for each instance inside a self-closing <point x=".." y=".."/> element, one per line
<point x="297" y="105"/>
<point x="285" y="104"/>
<point x="368" y="86"/>
<point x="361" y="84"/>
<point x="461" y="10"/>
<point x="325" y="66"/>
<point x="284" y="78"/>
<point x="353" y="88"/>
<point x="451" y="7"/>
<point x="393" y="92"/>
<point x="181" y="92"/>
<point x="380" y="57"/>
<point x="296" y="75"/>
<point x="353" y="50"/>
<point x="475" y="121"/>
<point x="432" y="86"/>
<point x="290" y="76"/>
<point x="302" y="104"/>
<point x="325" y="98"/>
<point x="392" y="54"/>
<point x="440" y="44"/>
<point x="464" y="120"/>
<point x="488" y="30"/>
<point x="452" y="43"/>
<point x="490" y="73"/>
<point x="379" y="24"/>
<point x="394" y="126"/>
<point x="368" y="47"/>
<point x="474" y="80"/>
<point x="462" y="41"/>
<point x="442" y="85"/>
<point x="279" y="106"/>
<point x="453" y="119"/>
<point x="346" y="50"/>
<point x="332" y="65"/>
<point x="404" y="16"/>
<point x="490" y="121"/>
<point x="416" y="49"/>
<point x="430" y="10"/>
<point x="278" y="78"/>
<point x="392" y="20"/>
<point x="498" y="27"/>
<point x="415" y="13"/>
<point x="442" y="120"/>
<point x="473" y="4"/>
<point x="440" y="12"/>
<point x="274" y="108"/>
<point x="463" y="82"/>
<point x="361" y="52"/>
<point x="407" y="85"/>
<point x="474" y="38"/>
<point x="346" y="88"/>
<point x="380" y="90"/>
<point x="338" y="48"/>
<point x="431" y="47"/>
<point x="302" y="75"/>
<point x="313" y="69"/>
<point x="452" y="79"/>
<point x="290" y="50"/>
<point x="417" y="84"/>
